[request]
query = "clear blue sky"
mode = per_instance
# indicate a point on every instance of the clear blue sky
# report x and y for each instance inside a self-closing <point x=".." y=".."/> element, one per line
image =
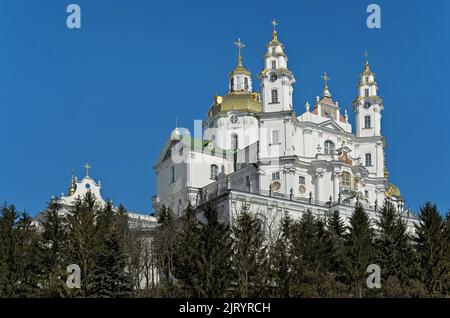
<point x="108" y="94"/>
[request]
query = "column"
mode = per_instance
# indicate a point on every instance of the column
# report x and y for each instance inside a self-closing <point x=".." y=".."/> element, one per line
<point x="336" y="183"/>
<point x="319" y="191"/>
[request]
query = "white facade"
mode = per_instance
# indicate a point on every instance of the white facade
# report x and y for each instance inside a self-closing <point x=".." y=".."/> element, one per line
<point x="78" y="190"/>
<point x="254" y="143"/>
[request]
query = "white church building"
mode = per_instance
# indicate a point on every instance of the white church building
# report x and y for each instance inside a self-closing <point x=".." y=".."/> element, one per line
<point x="255" y="151"/>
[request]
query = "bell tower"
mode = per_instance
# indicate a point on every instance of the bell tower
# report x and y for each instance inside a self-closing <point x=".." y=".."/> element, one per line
<point x="368" y="105"/>
<point x="276" y="79"/>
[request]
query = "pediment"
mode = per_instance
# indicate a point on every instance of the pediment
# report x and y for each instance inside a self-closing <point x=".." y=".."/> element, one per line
<point x="331" y="124"/>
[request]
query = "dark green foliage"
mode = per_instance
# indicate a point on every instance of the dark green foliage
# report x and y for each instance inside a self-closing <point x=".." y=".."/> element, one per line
<point x="249" y="255"/>
<point x="110" y="276"/>
<point x="431" y="249"/>
<point x="280" y="282"/>
<point x="359" y="251"/>
<point x="199" y="255"/>
<point x="54" y="250"/>
<point x="395" y="254"/>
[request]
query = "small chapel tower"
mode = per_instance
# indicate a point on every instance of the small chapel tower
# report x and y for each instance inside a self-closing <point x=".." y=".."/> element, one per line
<point x="368" y="105"/>
<point x="240" y="79"/>
<point x="276" y="79"/>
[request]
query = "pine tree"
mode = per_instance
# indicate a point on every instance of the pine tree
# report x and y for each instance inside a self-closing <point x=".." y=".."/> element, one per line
<point x="9" y="257"/>
<point x="359" y="250"/>
<point x="20" y="259"/>
<point x="281" y="261"/>
<point x="215" y="254"/>
<point x="111" y="279"/>
<point x="83" y="242"/>
<point x="431" y="249"/>
<point x="394" y="251"/>
<point x="186" y="265"/>
<point x="447" y="245"/>
<point x="248" y="254"/>
<point x="30" y="268"/>
<point x="165" y="244"/>
<point x="54" y="247"/>
<point x="336" y="226"/>
<point x="336" y="230"/>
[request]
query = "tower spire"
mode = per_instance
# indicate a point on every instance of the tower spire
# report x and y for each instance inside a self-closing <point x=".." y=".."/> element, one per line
<point x="240" y="46"/>
<point x="72" y="184"/>
<point x="274" y="33"/>
<point x="366" y="64"/>
<point x="326" y="78"/>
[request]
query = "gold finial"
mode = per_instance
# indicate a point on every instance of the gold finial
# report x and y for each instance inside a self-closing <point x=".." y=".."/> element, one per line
<point x="274" y="33"/>
<point x="326" y="78"/>
<point x="366" y="64"/>
<point x="240" y="46"/>
<point x="72" y="184"/>
<point x="87" y="166"/>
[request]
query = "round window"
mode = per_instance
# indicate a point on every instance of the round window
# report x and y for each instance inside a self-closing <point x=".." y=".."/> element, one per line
<point x="302" y="189"/>
<point x="276" y="186"/>
<point x="88" y="186"/>
<point x="234" y="119"/>
<point x="273" y="77"/>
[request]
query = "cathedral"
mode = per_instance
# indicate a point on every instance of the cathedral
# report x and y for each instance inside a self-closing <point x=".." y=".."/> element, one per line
<point x="256" y="152"/>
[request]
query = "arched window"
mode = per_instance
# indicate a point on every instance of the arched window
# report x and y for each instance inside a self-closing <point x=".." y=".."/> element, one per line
<point x="234" y="141"/>
<point x="214" y="172"/>
<point x="274" y="63"/>
<point x="232" y="84"/>
<point x="246" y="83"/>
<point x="329" y="147"/>
<point x="213" y="139"/>
<point x="346" y="180"/>
<point x="274" y="96"/>
<point x="172" y="174"/>
<point x="368" y="158"/>
<point x="275" y="139"/>
<point x="367" y="123"/>
<point x="273" y="77"/>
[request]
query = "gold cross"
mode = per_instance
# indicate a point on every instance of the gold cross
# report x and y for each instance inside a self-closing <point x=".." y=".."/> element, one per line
<point x="366" y="54"/>
<point x="87" y="166"/>
<point x="239" y="45"/>
<point x="325" y="78"/>
<point x="274" y="23"/>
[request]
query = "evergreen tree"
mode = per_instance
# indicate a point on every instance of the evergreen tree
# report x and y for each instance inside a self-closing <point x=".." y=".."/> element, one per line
<point x="248" y="255"/>
<point x="431" y="249"/>
<point x="394" y="251"/>
<point x="54" y="247"/>
<point x="281" y="261"/>
<point x="111" y="279"/>
<point x="312" y="252"/>
<point x="83" y="241"/>
<point x="215" y="254"/>
<point x="9" y="256"/>
<point x="30" y="270"/>
<point x="336" y="230"/>
<point x="202" y="261"/>
<point x="165" y="244"/>
<point x="359" y="250"/>
<point x="186" y="264"/>
<point x="447" y="245"/>
<point x="336" y="226"/>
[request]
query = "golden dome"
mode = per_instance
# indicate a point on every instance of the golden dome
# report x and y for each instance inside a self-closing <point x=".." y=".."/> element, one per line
<point x="393" y="191"/>
<point x="239" y="101"/>
<point x="239" y="70"/>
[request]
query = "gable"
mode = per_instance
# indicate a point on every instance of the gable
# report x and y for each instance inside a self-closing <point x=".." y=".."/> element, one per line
<point x="331" y="124"/>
